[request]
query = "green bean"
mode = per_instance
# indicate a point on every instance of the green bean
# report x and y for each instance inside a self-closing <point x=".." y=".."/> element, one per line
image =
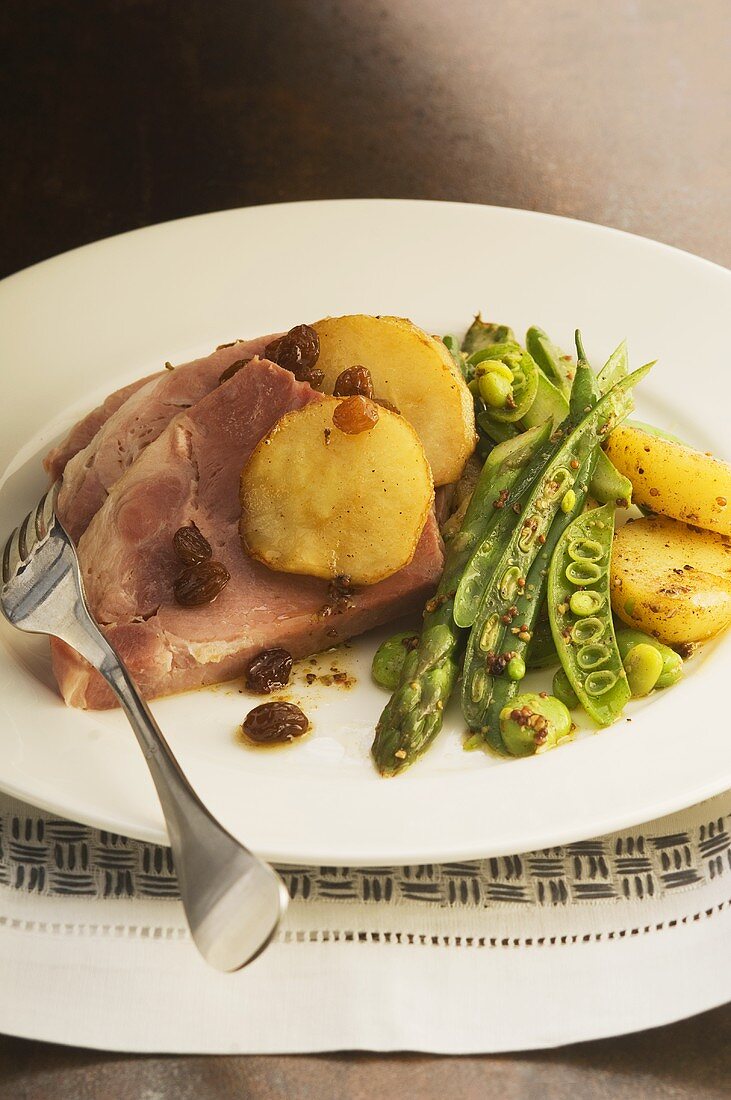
<point x="585" y="391"/>
<point x="563" y="690"/>
<point x="413" y="716"/>
<point x="389" y="658"/>
<point x="672" y="662"/>
<point x="643" y="665"/>
<point x="533" y="723"/>
<point x="486" y="644"/>
<point x="555" y="365"/>
<point x="586" y="644"/>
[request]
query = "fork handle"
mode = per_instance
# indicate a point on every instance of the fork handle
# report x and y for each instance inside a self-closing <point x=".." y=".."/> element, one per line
<point x="174" y="791"/>
<point x="233" y="900"/>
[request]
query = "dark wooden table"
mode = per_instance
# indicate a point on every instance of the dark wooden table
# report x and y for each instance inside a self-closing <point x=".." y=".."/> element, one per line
<point x="120" y="113"/>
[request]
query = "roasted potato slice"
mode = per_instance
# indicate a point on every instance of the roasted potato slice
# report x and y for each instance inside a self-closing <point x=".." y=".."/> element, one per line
<point x="319" y="501"/>
<point x="412" y="371"/>
<point x="671" y="580"/>
<point x="673" y="479"/>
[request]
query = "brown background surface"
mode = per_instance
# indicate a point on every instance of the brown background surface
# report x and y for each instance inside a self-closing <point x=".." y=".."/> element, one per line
<point x="121" y="113"/>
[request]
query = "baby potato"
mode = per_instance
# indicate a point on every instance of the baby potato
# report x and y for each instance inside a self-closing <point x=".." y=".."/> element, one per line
<point x="671" y="580"/>
<point x="673" y="479"/>
<point x="412" y="371"/>
<point x="329" y="501"/>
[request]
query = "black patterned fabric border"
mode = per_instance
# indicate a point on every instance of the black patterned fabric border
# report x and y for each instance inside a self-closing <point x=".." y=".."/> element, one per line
<point x="49" y="856"/>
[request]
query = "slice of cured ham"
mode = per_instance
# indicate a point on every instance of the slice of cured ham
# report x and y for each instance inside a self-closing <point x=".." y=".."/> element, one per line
<point x="190" y="474"/>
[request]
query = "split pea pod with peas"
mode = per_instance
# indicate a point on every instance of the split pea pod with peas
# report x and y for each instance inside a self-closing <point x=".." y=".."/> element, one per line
<point x="581" y="617"/>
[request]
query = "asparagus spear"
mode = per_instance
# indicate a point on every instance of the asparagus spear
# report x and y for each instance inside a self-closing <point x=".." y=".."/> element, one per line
<point x="413" y="716"/>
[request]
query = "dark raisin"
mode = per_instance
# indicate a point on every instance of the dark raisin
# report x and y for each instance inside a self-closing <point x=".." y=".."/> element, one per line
<point x="354" y="382"/>
<point x="297" y="351"/>
<point x="190" y="545"/>
<point x="268" y="671"/>
<point x="200" y="583"/>
<point x="232" y="369"/>
<point x="275" y="723"/>
<point x="355" y="415"/>
<point x="270" y="351"/>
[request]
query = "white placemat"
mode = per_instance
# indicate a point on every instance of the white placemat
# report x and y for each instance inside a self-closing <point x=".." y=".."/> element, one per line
<point x="597" y="938"/>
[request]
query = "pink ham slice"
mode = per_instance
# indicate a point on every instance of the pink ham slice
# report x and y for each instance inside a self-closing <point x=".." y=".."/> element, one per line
<point x="191" y="474"/>
<point x="82" y="433"/>
<point x="136" y="423"/>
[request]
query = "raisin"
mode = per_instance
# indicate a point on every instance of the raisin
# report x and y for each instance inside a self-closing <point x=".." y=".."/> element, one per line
<point x="297" y="351"/>
<point x="270" y="351"/>
<point x="355" y="415"/>
<point x="232" y="369"/>
<point x="190" y="545"/>
<point x="268" y="671"/>
<point x="354" y="382"/>
<point x="275" y="723"/>
<point x="200" y="583"/>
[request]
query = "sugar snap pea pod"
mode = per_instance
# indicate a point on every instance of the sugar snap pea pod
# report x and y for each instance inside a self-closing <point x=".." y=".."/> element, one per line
<point x="483" y="334"/>
<point x="562" y="689"/>
<point x="541" y="650"/>
<point x="558" y="367"/>
<point x="548" y="404"/>
<point x="486" y="551"/>
<point x="578" y="582"/>
<point x="413" y="716"/>
<point x="615" y="368"/>
<point x="487" y="641"/>
<point x="672" y="662"/>
<point x="512" y="366"/>
<point x="527" y="605"/>
<point x="608" y="486"/>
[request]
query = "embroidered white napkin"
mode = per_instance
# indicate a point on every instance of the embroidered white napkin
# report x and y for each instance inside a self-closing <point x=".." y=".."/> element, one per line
<point x="597" y="938"/>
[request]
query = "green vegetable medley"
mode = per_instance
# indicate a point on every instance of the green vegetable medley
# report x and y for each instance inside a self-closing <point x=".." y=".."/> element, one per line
<point x="527" y="573"/>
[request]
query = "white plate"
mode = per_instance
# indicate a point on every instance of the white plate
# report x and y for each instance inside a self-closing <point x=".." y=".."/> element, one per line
<point x="78" y="326"/>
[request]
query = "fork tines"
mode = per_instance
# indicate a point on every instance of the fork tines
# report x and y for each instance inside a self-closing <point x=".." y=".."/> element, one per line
<point x="18" y="547"/>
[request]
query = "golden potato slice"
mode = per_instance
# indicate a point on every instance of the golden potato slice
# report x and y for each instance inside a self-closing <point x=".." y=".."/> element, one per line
<point x="318" y="501"/>
<point x="671" y="580"/>
<point x="412" y="371"/>
<point x="673" y="479"/>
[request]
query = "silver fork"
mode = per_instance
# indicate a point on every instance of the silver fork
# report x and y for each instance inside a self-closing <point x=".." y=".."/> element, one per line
<point x="232" y="899"/>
